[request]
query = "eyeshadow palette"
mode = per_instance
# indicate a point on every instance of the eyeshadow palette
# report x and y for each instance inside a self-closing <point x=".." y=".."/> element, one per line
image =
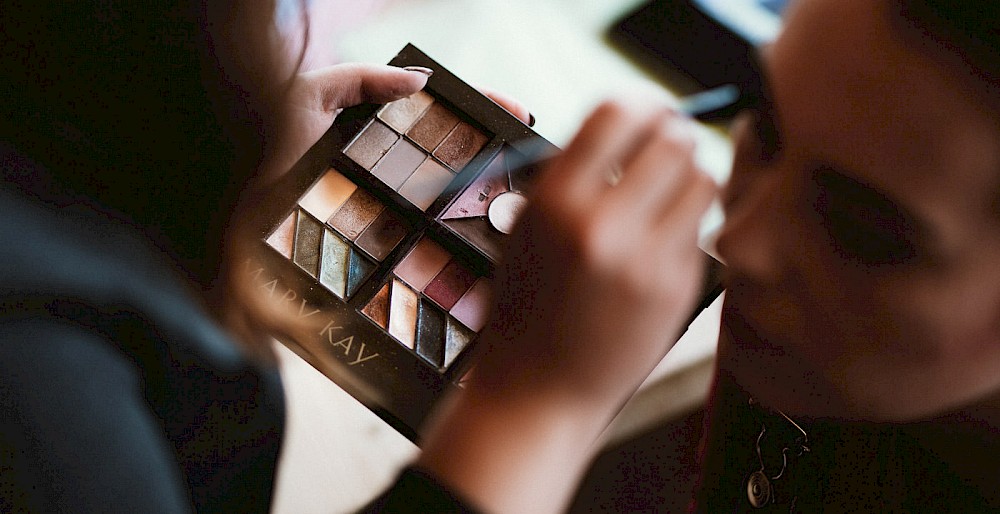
<point x="384" y="238"/>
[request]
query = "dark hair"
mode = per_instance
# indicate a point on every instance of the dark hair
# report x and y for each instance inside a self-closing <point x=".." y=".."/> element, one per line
<point x="965" y="32"/>
<point x="153" y="111"/>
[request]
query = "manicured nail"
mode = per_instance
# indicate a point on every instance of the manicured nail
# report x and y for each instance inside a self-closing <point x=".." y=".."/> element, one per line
<point x="531" y="120"/>
<point x="420" y="69"/>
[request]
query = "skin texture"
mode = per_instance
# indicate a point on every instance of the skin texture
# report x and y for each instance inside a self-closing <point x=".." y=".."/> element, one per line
<point x="818" y="325"/>
<point x="573" y="330"/>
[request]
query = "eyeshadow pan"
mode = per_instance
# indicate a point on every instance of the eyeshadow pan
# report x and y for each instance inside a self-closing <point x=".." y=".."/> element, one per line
<point x="476" y="198"/>
<point x="426" y="183"/>
<point x="430" y="333"/>
<point x="401" y="114"/>
<point x="449" y="285"/>
<point x="382" y="235"/>
<point x="479" y="233"/>
<point x="358" y="271"/>
<point x="433" y="126"/>
<point x="457" y="337"/>
<point x="460" y="146"/>
<point x="472" y="309"/>
<point x="327" y="195"/>
<point x="422" y="264"/>
<point x="356" y="214"/>
<point x="377" y="309"/>
<point x="371" y="144"/>
<point x="399" y="164"/>
<point x="283" y="237"/>
<point x="308" y="233"/>
<point x="403" y="313"/>
<point x="334" y="262"/>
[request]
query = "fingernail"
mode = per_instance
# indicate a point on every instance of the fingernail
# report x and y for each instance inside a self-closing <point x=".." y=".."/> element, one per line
<point x="420" y="69"/>
<point x="531" y="120"/>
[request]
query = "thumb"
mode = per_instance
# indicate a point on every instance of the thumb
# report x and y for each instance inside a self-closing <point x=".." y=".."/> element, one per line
<point x="345" y="85"/>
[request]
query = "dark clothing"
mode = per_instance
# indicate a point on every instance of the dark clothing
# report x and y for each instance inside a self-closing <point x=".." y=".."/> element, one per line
<point x="118" y="393"/>
<point x="946" y="464"/>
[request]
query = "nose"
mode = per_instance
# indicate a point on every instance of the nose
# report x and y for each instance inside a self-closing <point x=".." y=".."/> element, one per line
<point x="750" y="240"/>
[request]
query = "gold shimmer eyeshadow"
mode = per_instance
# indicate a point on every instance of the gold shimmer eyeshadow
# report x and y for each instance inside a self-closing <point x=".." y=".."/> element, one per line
<point x="403" y="306"/>
<point x="371" y="144"/>
<point x="308" y="233"/>
<point x="433" y="127"/>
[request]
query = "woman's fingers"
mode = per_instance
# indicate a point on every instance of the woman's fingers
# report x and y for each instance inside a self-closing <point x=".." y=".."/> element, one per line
<point x="509" y="103"/>
<point x="344" y="85"/>
<point x="581" y="173"/>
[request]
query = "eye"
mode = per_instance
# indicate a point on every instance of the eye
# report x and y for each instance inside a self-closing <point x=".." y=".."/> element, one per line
<point x="862" y="223"/>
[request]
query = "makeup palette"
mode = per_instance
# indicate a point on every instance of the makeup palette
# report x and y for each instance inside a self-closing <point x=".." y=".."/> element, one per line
<point x="384" y="238"/>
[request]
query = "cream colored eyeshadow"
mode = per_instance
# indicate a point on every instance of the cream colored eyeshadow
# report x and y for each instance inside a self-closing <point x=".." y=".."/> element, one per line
<point x="327" y="195"/>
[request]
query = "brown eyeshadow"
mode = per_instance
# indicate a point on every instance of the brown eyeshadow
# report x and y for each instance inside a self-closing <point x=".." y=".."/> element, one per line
<point x="432" y="128"/>
<point x="371" y="144"/>
<point x="382" y="235"/>
<point x="377" y="309"/>
<point x="356" y="214"/>
<point x="460" y="146"/>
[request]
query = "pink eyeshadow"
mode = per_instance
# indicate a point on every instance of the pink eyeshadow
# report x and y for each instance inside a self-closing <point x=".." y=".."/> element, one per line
<point x="449" y="285"/>
<point x="422" y="264"/>
<point x="474" y="307"/>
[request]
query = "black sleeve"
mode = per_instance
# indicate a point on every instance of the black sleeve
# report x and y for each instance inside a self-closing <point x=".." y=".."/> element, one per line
<point x="76" y="434"/>
<point x="417" y="491"/>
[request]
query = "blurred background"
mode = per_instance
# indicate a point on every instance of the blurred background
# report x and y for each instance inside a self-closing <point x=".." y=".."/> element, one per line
<point x="561" y="58"/>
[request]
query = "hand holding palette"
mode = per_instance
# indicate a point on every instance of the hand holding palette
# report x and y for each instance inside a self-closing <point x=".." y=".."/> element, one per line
<point x="386" y="234"/>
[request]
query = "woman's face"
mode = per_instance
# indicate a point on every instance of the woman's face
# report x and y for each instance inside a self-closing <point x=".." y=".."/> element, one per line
<point x="865" y="256"/>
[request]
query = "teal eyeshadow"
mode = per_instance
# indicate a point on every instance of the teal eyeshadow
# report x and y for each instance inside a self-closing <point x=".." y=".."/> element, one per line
<point x="359" y="269"/>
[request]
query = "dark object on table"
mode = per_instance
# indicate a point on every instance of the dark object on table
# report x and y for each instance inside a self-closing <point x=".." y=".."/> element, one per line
<point x="711" y="43"/>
